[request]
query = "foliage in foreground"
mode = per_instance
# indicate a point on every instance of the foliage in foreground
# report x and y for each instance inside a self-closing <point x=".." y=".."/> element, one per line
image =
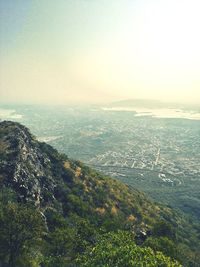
<point x="26" y="242"/>
<point x="118" y="249"/>
<point x="21" y="231"/>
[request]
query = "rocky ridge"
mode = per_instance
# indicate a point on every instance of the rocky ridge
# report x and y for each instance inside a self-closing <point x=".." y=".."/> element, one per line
<point x="23" y="166"/>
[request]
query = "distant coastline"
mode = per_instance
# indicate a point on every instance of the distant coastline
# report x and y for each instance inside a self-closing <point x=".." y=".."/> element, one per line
<point x="9" y="114"/>
<point x="170" y="113"/>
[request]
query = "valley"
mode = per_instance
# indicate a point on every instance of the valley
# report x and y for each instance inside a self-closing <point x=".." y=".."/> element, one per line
<point x="157" y="155"/>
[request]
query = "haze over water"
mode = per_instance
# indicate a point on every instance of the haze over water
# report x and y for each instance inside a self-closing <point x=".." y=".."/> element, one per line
<point x="159" y="112"/>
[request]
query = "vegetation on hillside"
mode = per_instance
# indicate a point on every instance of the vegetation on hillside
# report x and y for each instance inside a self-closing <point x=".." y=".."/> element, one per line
<point x="67" y="212"/>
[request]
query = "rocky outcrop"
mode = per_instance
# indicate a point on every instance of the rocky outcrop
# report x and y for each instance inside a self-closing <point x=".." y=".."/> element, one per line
<point x="23" y="166"/>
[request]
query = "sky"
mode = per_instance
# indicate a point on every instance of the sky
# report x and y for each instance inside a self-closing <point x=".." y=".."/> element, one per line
<point x="97" y="51"/>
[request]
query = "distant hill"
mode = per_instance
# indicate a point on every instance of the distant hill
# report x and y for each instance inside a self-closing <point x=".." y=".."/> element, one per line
<point x="53" y="210"/>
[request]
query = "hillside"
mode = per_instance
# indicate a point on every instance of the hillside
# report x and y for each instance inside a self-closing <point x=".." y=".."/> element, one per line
<point x="70" y="207"/>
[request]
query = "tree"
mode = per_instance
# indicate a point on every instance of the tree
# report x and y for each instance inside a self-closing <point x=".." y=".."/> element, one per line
<point x="118" y="249"/>
<point x="164" y="244"/>
<point x="21" y="228"/>
<point x="163" y="228"/>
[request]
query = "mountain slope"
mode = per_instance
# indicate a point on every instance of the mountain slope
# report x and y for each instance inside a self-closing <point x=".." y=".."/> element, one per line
<point x="82" y="203"/>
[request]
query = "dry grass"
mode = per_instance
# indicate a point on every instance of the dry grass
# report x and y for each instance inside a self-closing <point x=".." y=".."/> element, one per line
<point x="78" y="172"/>
<point x="67" y="165"/>
<point x="114" y="210"/>
<point x="101" y="211"/>
<point x="131" y="218"/>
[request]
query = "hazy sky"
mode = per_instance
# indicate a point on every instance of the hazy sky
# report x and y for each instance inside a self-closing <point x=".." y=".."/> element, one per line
<point x="61" y="51"/>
